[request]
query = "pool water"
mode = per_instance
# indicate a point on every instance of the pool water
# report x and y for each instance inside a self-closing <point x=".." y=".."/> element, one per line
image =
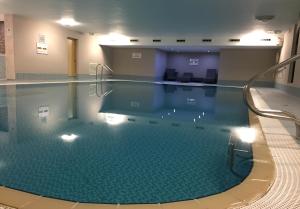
<point x="121" y="142"/>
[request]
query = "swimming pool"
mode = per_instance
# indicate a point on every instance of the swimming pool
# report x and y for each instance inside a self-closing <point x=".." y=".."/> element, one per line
<point x="122" y="142"/>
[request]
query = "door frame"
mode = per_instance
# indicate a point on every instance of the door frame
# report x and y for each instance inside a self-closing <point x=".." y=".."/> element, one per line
<point x="72" y="72"/>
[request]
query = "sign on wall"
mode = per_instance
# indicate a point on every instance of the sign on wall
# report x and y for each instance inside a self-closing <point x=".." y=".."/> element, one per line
<point x="42" y="45"/>
<point x="136" y="55"/>
<point x="43" y="111"/>
<point x="193" y="61"/>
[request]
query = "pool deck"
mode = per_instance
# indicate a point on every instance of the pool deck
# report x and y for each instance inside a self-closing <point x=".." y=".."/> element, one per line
<point x="263" y="188"/>
<point x="285" y="149"/>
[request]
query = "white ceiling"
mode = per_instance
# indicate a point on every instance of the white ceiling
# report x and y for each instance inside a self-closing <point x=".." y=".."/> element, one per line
<point x="163" y="18"/>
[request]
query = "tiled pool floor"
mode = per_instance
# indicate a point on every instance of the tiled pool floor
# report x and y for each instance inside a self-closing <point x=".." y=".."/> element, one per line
<point x="284" y="148"/>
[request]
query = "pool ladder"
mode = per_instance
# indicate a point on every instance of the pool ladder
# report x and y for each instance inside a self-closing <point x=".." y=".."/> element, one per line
<point x="102" y="68"/>
<point x="235" y="152"/>
<point x="269" y="113"/>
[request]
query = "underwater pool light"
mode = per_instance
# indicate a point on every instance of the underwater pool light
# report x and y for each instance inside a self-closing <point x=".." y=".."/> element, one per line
<point x="114" y="119"/>
<point x="247" y="135"/>
<point x="69" y="137"/>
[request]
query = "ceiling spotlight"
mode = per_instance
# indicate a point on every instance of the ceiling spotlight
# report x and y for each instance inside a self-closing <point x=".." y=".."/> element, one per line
<point x="277" y="31"/>
<point x="274" y="32"/>
<point x="113" y="39"/>
<point x="67" y="21"/>
<point x="264" y="18"/>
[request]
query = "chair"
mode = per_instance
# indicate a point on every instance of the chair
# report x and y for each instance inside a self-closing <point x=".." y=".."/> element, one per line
<point x="211" y="76"/>
<point x="171" y="75"/>
<point x="186" y="77"/>
<point x="197" y="79"/>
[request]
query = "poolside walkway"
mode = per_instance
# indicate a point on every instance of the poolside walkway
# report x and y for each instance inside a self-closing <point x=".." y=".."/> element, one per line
<point x="285" y="149"/>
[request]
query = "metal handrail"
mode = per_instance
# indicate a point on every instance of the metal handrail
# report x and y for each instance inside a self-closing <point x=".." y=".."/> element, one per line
<point x="269" y="113"/>
<point x="103" y="67"/>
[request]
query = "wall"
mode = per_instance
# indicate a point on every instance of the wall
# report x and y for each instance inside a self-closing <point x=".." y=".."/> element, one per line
<point x="160" y="64"/>
<point x="239" y="65"/>
<point x="282" y="77"/>
<point x="9" y="47"/>
<point x="2" y="66"/>
<point x="27" y="61"/>
<point x="2" y="38"/>
<point x="180" y="62"/>
<point x="2" y="51"/>
<point x="125" y="66"/>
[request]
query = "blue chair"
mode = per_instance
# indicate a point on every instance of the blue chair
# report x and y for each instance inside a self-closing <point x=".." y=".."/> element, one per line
<point x="171" y="75"/>
<point x="211" y="76"/>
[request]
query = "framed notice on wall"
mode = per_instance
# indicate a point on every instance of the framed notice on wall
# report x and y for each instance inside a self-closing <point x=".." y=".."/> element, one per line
<point x="42" y="45"/>
<point x="42" y="48"/>
<point x="193" y="61"/>
<point x="136" y="55"/>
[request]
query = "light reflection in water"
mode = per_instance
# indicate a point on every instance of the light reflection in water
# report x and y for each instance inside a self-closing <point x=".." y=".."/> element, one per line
<point x="247" y="135"/>
<point x="112" y="118"/>
<point x="69" y="137"/>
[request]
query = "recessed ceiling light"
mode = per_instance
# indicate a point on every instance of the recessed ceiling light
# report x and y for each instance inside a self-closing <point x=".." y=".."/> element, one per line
<point x="264" y="18"/>
<point x="277" y="31"/>
<point x="274" y="31"/>
<point x="114" y="39"/>
<point x="259" y="38"/>
<point x="67" y="21"/>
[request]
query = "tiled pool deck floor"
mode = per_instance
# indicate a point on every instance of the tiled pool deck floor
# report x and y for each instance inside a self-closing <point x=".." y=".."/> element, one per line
<point x="285" y="149"/>
<point x="255" y="192"/>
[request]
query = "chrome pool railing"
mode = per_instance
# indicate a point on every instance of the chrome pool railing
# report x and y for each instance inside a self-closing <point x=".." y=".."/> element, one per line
<point x="269" y="113"/>
<point x="103" y="67"/>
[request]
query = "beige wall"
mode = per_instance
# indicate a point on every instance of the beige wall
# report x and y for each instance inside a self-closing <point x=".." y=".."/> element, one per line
<point x="26" y="34"/>
<point x="282" y="78"/>
<point x="9" y="47"/>
<point x="160" y="64"/>
<point x="2" y="50"/>
<point x="2" y="39"/>
<point x="125" y="65"/>
<point x="242" y="64"/>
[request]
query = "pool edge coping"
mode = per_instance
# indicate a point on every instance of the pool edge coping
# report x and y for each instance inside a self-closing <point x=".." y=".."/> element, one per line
<point x="254" y="187"/>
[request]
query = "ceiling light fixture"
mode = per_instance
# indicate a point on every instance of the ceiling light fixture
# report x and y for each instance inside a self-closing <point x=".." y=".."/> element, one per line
<point x="264" y="18"/>
<point x="258" y="38"/>
<point x="114" y="39"/>
<point x="68" y="22"/>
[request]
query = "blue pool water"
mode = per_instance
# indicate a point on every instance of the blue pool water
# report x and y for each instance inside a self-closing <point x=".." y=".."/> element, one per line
<point x="122" y="142"/>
